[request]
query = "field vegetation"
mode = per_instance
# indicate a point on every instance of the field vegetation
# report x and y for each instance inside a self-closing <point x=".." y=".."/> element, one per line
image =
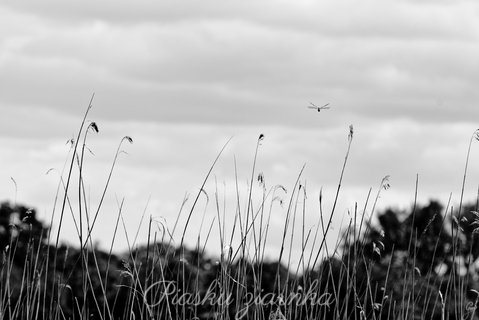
<point x="420" y="263"/>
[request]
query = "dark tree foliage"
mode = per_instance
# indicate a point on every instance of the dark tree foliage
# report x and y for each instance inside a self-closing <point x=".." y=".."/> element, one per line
<point x="413" y="264"/>
<point x="21" y="247"/>
<point x="20" y="229"/>
<point x="409" y="263"/>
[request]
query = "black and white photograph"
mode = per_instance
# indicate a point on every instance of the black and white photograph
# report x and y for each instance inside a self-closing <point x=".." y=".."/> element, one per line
<point x="308" y="159"/>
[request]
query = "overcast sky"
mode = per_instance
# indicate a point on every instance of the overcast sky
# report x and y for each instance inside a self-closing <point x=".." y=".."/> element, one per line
<point x="182" y="79"/>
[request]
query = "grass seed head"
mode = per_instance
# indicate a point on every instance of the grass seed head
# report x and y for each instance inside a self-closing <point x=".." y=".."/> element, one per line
<point x="128" y="138"/>
<point x="261" y="178"/>
<point x="93" y="126"/>
<point x="351" y="132"/>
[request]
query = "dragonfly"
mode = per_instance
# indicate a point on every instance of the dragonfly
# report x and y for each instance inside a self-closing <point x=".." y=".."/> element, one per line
<point x="315" y="107"/>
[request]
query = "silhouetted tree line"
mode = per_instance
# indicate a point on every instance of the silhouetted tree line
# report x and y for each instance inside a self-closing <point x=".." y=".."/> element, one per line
<point x="415" y="264"/>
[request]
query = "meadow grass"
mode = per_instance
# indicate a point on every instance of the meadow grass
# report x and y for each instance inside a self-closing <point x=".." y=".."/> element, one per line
<point x="365" y="275"/>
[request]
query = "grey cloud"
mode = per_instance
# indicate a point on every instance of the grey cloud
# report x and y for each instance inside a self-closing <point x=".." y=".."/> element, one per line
<point x="339" y="18"/>
<point x="245" y="71"/>
<point x="181" y="79"/>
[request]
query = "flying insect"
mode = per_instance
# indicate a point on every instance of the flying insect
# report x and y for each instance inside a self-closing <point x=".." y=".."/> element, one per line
<point x="315" y="107"/>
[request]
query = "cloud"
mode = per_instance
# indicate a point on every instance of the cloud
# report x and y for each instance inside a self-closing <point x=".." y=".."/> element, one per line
<point x="168" y="161"/>
<point x="387" y="19"/>
<point x="182" y="79"/>
<point x="240" y="65"/>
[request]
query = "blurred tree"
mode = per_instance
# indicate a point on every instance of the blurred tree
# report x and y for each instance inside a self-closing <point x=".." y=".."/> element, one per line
<point x="19" y="228"/>
<point x="21" y="243"/>
<point x="411" y="260"/>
